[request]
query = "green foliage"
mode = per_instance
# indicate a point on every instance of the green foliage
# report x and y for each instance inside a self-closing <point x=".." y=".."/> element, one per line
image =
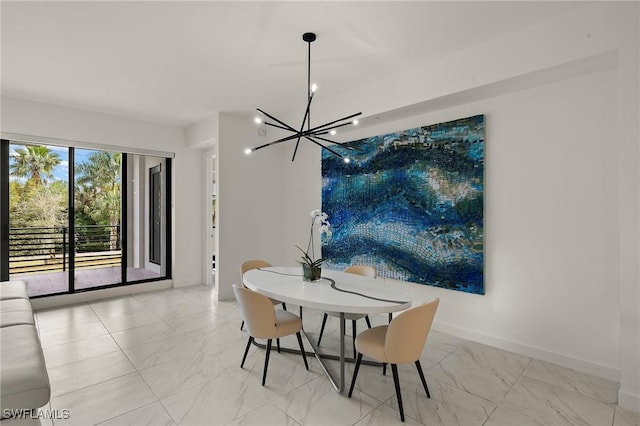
<point x="36" y="163"/>
<point x="38" y="206"/>
<point x="97" y="191"/>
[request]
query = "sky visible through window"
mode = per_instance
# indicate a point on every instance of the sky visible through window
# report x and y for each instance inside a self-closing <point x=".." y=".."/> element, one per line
<point x="61" y="171"/>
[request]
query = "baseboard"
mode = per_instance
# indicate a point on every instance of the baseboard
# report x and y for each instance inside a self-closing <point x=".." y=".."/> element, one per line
<point x="90" y="296"/>
<point x="603" y="371"/>
<point x="186" y="284"/>
<point x="629" y="401"/>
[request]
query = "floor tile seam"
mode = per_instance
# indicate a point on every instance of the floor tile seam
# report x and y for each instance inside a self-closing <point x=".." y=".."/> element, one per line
<point x="388" y="403"/>
<point x="66" y="326"/>
<point x="72" y="341"/>
<point x="518" y="379"/>
<point x="131" y="411"/>
<point x="428" y="376"/>
<point x="118" y="375"/>
<point x="160" y="400"/>
<point x="159" y="397"/>
<point x="130" y="328"/>
<point x="490" y="414"/>
<point x="131" y="373"/>
<point x="85" y="359"/>
<point x="371" y="411"/>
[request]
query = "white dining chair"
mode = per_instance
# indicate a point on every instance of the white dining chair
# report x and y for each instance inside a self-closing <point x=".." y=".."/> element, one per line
<point x="265" y="322"/>
<point x="400" y="342"/>
<point x="365" y="271"/>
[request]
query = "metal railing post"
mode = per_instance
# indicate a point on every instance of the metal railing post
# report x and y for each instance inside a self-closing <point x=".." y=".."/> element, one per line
<point x="64" y="248"/>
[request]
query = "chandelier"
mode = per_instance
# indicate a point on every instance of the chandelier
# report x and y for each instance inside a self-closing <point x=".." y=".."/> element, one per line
<point x="313" y="134"/>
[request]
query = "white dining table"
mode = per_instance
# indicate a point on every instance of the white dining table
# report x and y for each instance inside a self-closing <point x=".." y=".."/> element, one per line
<point x="337" y="291"/>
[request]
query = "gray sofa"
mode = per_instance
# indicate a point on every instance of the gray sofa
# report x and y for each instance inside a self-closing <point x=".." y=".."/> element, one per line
<point x="24" y="383"/>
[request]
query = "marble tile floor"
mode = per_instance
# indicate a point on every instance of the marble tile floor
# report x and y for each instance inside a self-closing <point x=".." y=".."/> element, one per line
<point x="172" y="357"/>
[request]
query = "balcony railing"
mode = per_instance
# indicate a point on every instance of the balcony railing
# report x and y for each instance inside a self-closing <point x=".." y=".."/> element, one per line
<point x="39" y="249"/>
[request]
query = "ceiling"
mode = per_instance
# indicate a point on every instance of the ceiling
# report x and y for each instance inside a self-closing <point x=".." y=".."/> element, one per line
<point x="178" y="62"/>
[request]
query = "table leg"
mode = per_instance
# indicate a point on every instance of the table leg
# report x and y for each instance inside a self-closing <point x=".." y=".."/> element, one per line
<point x="342" y="331"/>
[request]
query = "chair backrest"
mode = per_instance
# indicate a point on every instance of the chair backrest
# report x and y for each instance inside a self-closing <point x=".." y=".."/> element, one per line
<point x="252" y="264"/>
<point x="363" y="270"/>
<point x="257" y="312"/>
<point x="407" y="333"/>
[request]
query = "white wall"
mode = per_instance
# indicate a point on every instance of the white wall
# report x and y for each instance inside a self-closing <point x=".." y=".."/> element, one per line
<point x="562" y="187"/>
<point x="250" y="201"/>
<point x="44" y="120"/>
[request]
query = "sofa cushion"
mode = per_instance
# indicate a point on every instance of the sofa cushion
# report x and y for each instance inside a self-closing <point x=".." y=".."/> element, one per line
<point x="15" y="305"/>
<point x="7" y="319"/>
<point x="25" y="383"/>
<point x="13" y="290"/>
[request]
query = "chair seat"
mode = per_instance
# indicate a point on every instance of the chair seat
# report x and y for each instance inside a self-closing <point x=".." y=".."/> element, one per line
<point x="287" y="323"/>
<point x="371" y="343"/>
<point x="347" y="316"/>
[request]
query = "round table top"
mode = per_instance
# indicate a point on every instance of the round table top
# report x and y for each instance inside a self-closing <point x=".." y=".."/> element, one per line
<point x="337" y="291"/>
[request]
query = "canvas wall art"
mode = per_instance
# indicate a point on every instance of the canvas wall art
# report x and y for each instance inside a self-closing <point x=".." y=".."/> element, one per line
<point x="411" y="204"/>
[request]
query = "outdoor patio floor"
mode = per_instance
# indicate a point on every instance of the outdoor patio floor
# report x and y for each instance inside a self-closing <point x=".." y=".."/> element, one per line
<point x="56" y="282"/>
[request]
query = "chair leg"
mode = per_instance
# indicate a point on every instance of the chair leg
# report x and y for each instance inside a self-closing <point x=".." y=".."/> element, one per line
<point x="242" y="325"/>
<point x="284" y="306"/>
<point x="355" y="373"/>
<point x="424" y="382"/>
<point x="353" y="331"/>
<point x="278" y="344"/>
<point x="390" y="317"/>
<point x="368" y="321"/>
<point x="304" y="356"/>
<point x="324" y="322"/>
<point x="246" y="351"/>
<point x="396" y="381"/>
<point x="384" y="368"/>
<point x="266" y="361"/>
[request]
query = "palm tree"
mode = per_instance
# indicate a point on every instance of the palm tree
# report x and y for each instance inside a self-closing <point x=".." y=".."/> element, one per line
<point x="36" y="163"/>
<point x="98" y="185"/>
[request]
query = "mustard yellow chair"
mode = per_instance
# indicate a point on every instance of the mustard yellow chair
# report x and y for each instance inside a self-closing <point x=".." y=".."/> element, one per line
<point x="255" y="264"/>
<point x="264" y="322"/>
<point x="365" y="271"/>
<point x="400" y="342"/>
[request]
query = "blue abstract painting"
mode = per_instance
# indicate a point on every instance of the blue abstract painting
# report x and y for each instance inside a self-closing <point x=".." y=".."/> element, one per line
<point x="410" y="204"/>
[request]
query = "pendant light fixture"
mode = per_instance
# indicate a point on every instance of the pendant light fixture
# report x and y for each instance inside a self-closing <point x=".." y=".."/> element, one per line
<point x="313" y="134"/>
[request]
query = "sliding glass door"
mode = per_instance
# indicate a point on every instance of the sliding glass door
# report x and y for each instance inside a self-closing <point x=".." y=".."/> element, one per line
<point x="38" y="217"/>
<point x="147" y="209"/>
<point x="76" y="219"/>
<point x="97" y="212"/>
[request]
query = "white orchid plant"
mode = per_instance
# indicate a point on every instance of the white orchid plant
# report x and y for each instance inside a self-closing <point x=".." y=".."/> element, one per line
<point x="309" y="256"/>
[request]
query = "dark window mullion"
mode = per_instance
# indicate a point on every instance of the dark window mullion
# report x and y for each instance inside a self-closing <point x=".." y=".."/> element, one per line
<point x="72" y="220"/>
<point x="124" y="219"/>
<point x="4" y="210"/>
<point x="168" y="204"/>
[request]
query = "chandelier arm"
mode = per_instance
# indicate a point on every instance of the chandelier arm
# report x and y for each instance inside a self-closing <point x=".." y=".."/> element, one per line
<point x="331" y="123"/>
<point x="326" y="130"/>
<point x="296" y="149"/>
<point x="275" y="119"/>
<point x="287" y="138"/>
<point x="306" y="119"/>
<point x="266" y="123"/>
<point x="324" y="147"/>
